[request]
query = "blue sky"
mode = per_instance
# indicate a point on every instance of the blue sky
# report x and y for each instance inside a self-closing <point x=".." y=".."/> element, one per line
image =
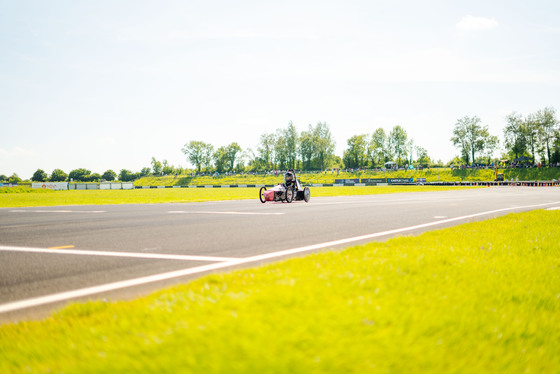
<point x="109" y="84"/>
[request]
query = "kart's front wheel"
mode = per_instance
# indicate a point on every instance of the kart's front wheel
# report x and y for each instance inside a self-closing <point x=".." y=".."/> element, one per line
<point x="306" y="194"/>
<point x="289" y="195"/>
<point x="261" y="195"/>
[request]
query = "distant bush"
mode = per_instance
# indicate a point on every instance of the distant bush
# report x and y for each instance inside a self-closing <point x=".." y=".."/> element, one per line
<point x="20" y="189"/>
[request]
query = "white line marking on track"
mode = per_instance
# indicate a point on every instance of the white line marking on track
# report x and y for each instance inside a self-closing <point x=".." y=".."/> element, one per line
<point x="225" y="213"/>
<point x="54" y="211"/>
<point x="554" y="208"/>
<point x="156" y="256"/>
<point x="63" y="296"/>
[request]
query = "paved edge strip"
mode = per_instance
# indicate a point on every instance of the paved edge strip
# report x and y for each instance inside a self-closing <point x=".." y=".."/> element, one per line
<point x="224" y="213"/>
<point x="155" y="256"/>
<point x="68" y="295"/>
<point x="55" y="211"/>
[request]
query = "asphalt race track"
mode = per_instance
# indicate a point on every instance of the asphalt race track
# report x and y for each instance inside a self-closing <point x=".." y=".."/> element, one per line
<point x="51" y="255"/>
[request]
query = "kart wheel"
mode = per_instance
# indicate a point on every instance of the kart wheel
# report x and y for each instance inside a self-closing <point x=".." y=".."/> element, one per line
<point x="289" y="195"/>
<point x="261" y="194"/>
<point x="306" y="194"/>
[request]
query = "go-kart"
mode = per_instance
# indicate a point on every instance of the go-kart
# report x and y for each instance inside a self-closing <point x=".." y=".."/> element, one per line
<point x="288" y="191"/>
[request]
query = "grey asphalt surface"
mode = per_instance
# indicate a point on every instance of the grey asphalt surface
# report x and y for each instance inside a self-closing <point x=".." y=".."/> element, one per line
<point x="233" y="229"/>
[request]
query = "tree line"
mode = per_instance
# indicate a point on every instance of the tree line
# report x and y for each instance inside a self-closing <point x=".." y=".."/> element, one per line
<point x="158" y="168"/>
<point x="525" y="138"/>
<point x="376" y="149"/>
<point x="311" y="149"/>
<point x="536" y="135"/>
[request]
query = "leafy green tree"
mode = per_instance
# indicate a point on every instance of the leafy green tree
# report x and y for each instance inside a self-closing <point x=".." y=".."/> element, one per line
<point x="278" y="150"/>
<point x="250" y="159"/>
<point x="460" y="139"/>
<point x="3" y="178"/>
<point x="39" y="176"/>
<point x="199" y="154"/>
<point x="265" y="152"/>
<point x="422" y="157"/>
<point x="514" y="135"/>
<point x="14" y="178"/>
<point x="109" y="175"/>
<point x="79" y="175"/>
<point x="337" y="162"/>
<point x="243" y="160"/>
<point x="58" y="176"/>
<point x="555" y="157"/>
<point x="531" y="132"/>
<point x="355" y="156"/>
<point x="126" y="176"/>
<point x="547" y="129"/>
<point x="316" y="147"/>
<point x="167" y="169"/>
<point x="377" y="150"/>
<point x="456" y="161"/>
<point x="156" y="166"/>
<point x="398" y="143"/>
<point x="233" y="152"/>
<point x="324" y="145"/>
<point x="410" y="150"/>
<point x="145" y="172"/>
<point x="281" y="149"/>
<point x="470" y="137"/>
<point x="220" y="159"/>
<point x="491" y="143"/>
<point x="95" y="177"/>
<point x="291" y="141"/>
<point x="306" y="148"/>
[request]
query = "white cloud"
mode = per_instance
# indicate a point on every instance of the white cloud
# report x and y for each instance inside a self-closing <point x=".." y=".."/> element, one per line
<point x="470" y="23"/>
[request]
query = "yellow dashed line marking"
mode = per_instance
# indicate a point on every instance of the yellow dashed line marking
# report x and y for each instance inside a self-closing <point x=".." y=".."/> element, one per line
<point x="63" y="247"/>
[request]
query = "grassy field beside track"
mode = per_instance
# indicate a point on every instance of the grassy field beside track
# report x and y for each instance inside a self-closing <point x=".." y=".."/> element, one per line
<point x="477" y="298"/>
<point x="432" y="175"/>
<point x="22" y="197"/>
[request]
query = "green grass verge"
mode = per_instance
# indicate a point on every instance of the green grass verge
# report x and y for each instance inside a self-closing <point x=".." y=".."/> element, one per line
<point x="478" y="298"/>
<point x="39" y="197"/>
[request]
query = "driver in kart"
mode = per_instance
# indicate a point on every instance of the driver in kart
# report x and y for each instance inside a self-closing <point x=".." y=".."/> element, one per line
<point x="290" y="177"/>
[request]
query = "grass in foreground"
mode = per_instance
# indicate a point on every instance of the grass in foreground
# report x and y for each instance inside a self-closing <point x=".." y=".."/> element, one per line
<point x="478" y="298"/>
<point x="29" y="197"/>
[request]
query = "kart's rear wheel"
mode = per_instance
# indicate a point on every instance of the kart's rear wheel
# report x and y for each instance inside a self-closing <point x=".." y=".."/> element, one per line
<point x="289" y="195"/>
<point x="261" y="195"/>
<point x="306" y="194"/>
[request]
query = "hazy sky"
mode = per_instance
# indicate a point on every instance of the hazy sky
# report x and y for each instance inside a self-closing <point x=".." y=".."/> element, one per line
<point x="109" y="84"/>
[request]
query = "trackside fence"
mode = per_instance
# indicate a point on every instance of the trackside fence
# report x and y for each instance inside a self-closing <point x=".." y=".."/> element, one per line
<point x="393" y="183"/>
<point x="83" y="186"/>
<point x="338" y="183"/>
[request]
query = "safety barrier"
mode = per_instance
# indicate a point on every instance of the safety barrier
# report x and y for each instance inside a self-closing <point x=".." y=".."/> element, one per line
<point x="83" y="186"/>
<point x="553" y="183"/>
<point x="457" y="183"/>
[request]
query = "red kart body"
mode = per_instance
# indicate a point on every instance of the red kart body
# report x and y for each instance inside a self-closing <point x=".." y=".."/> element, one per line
<point x="269" y="195"/>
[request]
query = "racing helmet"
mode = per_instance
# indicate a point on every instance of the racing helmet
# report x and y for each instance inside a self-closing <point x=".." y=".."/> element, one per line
<point x="289" y="178"/>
